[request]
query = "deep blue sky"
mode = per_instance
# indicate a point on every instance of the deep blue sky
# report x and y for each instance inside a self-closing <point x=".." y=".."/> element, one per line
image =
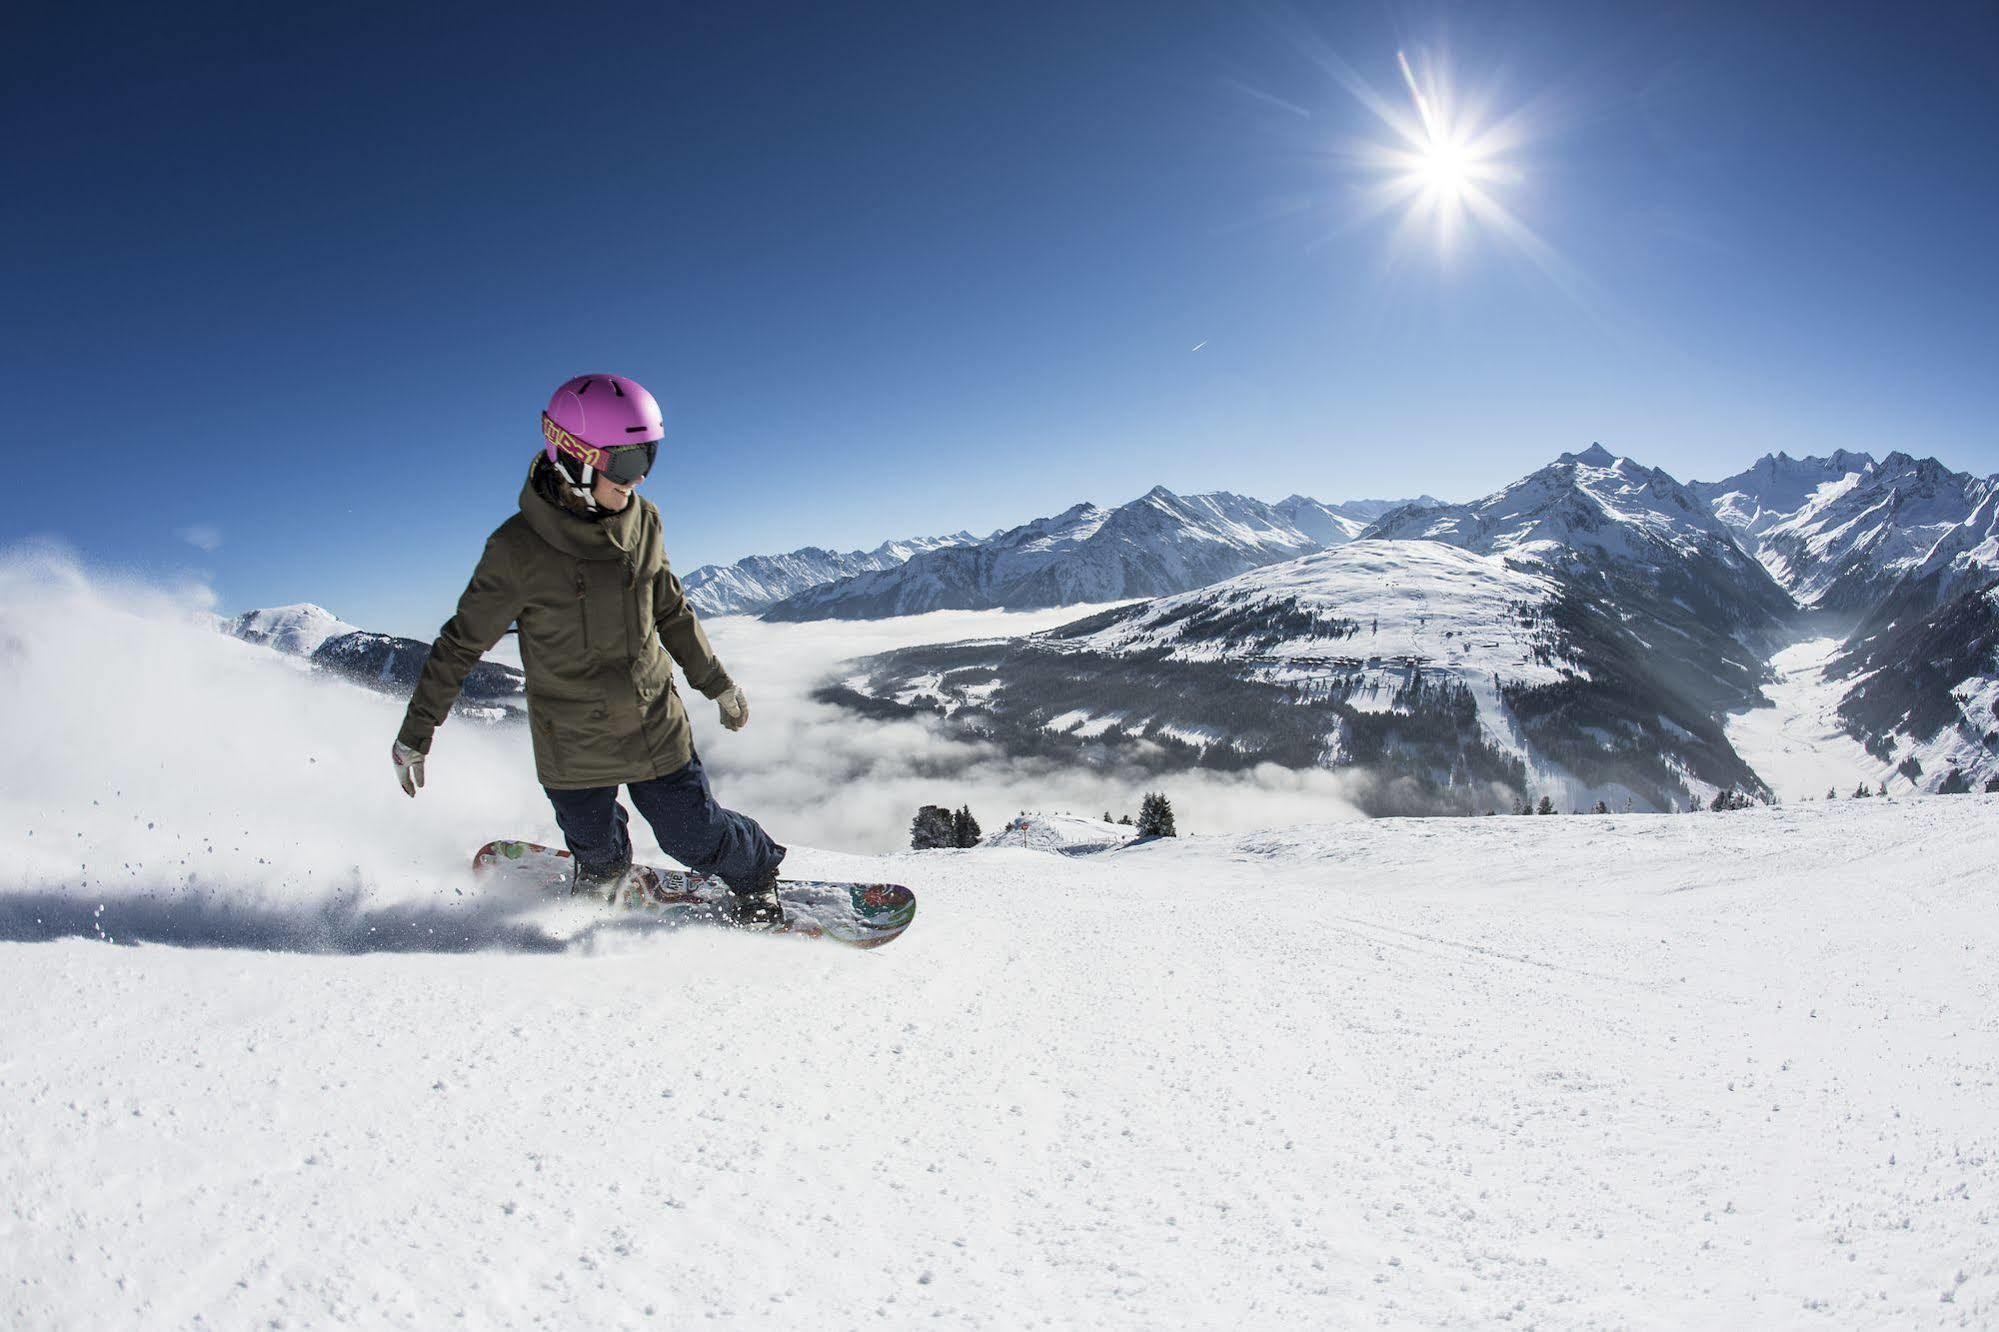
<point x="305" y="279"/>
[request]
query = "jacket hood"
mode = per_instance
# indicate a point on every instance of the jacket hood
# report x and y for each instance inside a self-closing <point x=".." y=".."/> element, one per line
<point x="613" y="537"/>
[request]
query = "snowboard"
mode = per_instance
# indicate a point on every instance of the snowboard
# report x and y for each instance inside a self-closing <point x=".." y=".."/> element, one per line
<point x="864" y="915"/>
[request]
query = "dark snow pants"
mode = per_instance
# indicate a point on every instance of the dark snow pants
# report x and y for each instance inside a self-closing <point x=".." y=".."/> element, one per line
<point x="691" y="827"/>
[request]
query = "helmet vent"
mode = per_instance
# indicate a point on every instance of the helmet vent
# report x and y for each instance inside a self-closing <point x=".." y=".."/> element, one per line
<point x="617" y="388"/>
<point x="583" y="388"/>
<point x="633" y="430"/>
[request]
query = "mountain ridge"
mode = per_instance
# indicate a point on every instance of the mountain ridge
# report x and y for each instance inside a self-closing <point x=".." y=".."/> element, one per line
<point x="1156" y="544"/>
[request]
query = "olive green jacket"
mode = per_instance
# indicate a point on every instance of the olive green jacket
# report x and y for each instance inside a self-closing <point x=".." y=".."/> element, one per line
<point x="594" y="601"/>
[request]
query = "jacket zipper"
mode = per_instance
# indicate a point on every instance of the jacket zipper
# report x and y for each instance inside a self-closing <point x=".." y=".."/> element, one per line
<point x="583" y="607"/>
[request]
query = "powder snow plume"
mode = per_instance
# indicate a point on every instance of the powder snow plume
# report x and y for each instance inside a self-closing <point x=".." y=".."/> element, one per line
<point x="169" y="781"/>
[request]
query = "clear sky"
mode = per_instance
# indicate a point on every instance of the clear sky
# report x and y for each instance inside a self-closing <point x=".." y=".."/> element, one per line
<point x="285" y="291"/>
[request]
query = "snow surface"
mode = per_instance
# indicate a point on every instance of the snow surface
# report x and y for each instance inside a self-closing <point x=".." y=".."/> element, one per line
<point x="1712" y="1070"/>
<point x="266" y="1057"/>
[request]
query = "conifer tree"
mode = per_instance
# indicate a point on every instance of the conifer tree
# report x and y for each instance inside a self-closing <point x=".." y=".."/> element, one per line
<point x="1155" y="816"/>
<point x="1832" y="793"/>
<point x="1992" y="785"/>
<point x="931" y="829"/>
<point x="965" y="830"/>
<point x="1601" y="808"/>
<point x="1954" y="783"/>
<point x="1547" y="806"/>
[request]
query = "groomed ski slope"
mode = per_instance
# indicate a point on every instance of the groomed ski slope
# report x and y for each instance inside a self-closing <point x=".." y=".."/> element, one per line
<point x="1627" y="1071"/>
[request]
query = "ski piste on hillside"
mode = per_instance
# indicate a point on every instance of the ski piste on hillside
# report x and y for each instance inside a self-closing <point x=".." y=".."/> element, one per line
<point x="1641" y="1071"/>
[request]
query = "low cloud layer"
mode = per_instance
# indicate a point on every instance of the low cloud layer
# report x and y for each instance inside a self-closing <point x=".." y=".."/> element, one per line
<point x="830" y="778"/>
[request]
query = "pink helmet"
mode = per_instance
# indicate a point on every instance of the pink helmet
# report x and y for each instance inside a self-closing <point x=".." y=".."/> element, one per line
<point x="594" y="419"/>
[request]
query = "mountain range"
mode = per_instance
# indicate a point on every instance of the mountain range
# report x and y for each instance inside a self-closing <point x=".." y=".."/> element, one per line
<point x="1588" y="629"/>
<point x="752" y="585"/>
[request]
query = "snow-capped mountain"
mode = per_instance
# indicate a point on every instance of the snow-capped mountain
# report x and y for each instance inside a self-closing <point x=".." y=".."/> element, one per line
<point x="1583" y="507"/>
<point x="760" y="581"/>
<point x="382" y="662"/>
<point x="296" y="630"/>
<point x="1855" y="528"/>
<point x="1337" y="524"/>
<point x="1159" y="543"/>
<point x="1579" y="632"/>
<point x="391" y="665"/>
<point x="1776" y="486"/>
<point x="1645" y="565"/>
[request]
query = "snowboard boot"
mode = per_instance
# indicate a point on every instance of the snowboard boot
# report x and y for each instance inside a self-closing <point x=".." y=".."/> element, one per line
<point x="754" y="904"/>
<point x="606" y="884"/>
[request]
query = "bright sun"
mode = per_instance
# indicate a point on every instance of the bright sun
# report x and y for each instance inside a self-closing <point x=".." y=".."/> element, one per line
<point x="1444" y="164"/>
<point x="1445" y="168"/>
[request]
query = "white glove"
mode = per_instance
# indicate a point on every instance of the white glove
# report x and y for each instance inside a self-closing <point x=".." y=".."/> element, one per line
<point x="735" y="708"/>
<point x="409" y="766"/>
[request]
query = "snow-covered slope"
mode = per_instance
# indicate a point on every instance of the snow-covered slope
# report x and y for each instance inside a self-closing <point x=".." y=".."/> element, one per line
<point x="296" y="630"/>
<point x="753" y="584"/>
<point x="1716" y="1070"/>
<point x="1156" y="545"/>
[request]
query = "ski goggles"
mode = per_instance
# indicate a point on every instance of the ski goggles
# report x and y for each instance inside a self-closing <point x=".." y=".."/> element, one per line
<point x="626" y="464"/>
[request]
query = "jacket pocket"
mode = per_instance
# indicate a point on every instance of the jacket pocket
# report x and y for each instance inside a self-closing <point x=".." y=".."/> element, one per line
<point x="568" y="730"/>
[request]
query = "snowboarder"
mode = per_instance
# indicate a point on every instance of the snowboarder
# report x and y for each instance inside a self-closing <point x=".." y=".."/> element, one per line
<point x="582" y="571"/>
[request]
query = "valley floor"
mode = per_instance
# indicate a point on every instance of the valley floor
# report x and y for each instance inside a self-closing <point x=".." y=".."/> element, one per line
<point x="1798" y="745"/>
<point x="1626" y="1071"/>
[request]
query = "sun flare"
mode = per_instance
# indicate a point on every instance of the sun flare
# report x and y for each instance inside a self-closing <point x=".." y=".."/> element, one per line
<point x="1445" y="162"/>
